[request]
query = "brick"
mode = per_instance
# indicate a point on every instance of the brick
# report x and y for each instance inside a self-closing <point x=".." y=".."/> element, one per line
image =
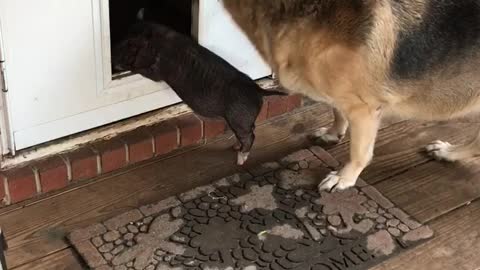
<point x="21" y="184"/>
<point x="262" y="116"/>
<point x="53" y="174"/>
<point x="190" y="130"/>
<point x="276" y="106"/>
<point x="165" y="136"/>
<point x="294" y="102"/>
<point x="213" y="128"/>
<point x="3" y="194"/>
<point x="140" y="145"/>
<point x="113" y="155"/>
<point x="84" y="164"/>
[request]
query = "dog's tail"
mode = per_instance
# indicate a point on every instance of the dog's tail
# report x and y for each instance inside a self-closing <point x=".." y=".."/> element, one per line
<point x="267" y="93"/>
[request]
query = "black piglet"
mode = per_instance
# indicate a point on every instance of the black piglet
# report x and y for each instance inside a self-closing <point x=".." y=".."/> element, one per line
<point x="209" y="85"/>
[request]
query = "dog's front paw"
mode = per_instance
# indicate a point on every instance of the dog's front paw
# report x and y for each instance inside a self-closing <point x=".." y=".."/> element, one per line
<point x="335" y="182"/>
<point x="441" y="151"/>
<point x="326" y="136"/>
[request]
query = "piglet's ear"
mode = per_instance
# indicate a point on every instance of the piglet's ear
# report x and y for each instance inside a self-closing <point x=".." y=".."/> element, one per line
<point x="141" y="15"/>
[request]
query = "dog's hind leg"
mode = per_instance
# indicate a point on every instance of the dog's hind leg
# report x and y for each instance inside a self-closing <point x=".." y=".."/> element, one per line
<point x="444" y="151"/>
<point x="334" y="134"/>
<point x="364" y="123"/>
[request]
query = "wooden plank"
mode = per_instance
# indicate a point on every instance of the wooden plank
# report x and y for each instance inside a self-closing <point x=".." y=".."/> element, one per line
<point x="437" y="193"/>
<point x="62" y="260"/>
<point x="39" y="229"/>
<point x="446" y="196"/>
<point x="449" y="228"/>
<point x="435" y="188"/>
<point x="456" y="244"/>
<point x="431" y="191"/>
<point x="399" y="147"/>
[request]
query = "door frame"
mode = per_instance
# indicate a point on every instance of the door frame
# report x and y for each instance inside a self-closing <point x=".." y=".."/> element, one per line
<point x="7" y="145"/>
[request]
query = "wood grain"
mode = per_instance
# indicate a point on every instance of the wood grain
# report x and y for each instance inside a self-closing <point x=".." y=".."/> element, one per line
<point x="456" y="244"/>
<point x="62" y="260"/>
<point x="400" y="146"/>
<point x="433" y="189"/>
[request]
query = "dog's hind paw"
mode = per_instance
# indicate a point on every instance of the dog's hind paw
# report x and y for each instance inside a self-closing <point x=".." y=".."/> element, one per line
<point x="440" y="150"/>
<point x="335" y="182"/>
<point x="326" y="136"/>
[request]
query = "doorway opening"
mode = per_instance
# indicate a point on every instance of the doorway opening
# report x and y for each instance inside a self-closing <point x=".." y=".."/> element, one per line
<point x="176" y="14"/>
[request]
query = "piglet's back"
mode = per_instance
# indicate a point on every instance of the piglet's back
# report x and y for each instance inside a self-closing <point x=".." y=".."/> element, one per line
<point x="186" y="58"/>
<point x="201" y="78"/>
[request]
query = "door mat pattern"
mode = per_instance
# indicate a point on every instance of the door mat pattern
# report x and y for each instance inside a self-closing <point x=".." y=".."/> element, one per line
<point x="269" y="218"/>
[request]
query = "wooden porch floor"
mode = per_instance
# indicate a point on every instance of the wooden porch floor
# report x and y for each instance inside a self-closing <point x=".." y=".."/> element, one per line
<point x="446" y="196"/>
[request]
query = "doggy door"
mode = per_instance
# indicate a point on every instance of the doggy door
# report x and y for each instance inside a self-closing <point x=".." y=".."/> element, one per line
<point x="123" y="14"/>
<point x="218" y="32"/>
<point x="206" y="21"/>
<point x="118" y="16"/>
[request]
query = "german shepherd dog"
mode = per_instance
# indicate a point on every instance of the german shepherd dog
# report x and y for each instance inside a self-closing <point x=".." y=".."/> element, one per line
<point x="368" y="58"/>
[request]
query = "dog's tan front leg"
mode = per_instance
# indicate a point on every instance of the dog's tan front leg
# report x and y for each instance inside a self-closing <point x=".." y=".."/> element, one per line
<point x="364" y="123"/>
<point x="335" y="133"/>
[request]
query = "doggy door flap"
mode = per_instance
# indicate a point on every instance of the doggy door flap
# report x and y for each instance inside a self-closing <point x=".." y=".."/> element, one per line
<point x="218" y="32"/>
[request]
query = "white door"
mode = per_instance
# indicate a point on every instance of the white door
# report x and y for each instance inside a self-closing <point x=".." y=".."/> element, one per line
<point x="218" y="32"/>
<point x="58" y="66"/>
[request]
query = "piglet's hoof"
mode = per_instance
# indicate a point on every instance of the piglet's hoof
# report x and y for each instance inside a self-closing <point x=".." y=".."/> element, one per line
<point x="242" y="158"/>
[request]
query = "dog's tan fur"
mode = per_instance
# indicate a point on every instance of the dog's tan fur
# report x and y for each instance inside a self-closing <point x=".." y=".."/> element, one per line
<point x="334" y="51"/>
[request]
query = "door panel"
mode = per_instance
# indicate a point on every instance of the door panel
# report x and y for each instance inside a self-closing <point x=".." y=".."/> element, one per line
<point x="219" y="33"/>
<point x="58" y="63"/>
